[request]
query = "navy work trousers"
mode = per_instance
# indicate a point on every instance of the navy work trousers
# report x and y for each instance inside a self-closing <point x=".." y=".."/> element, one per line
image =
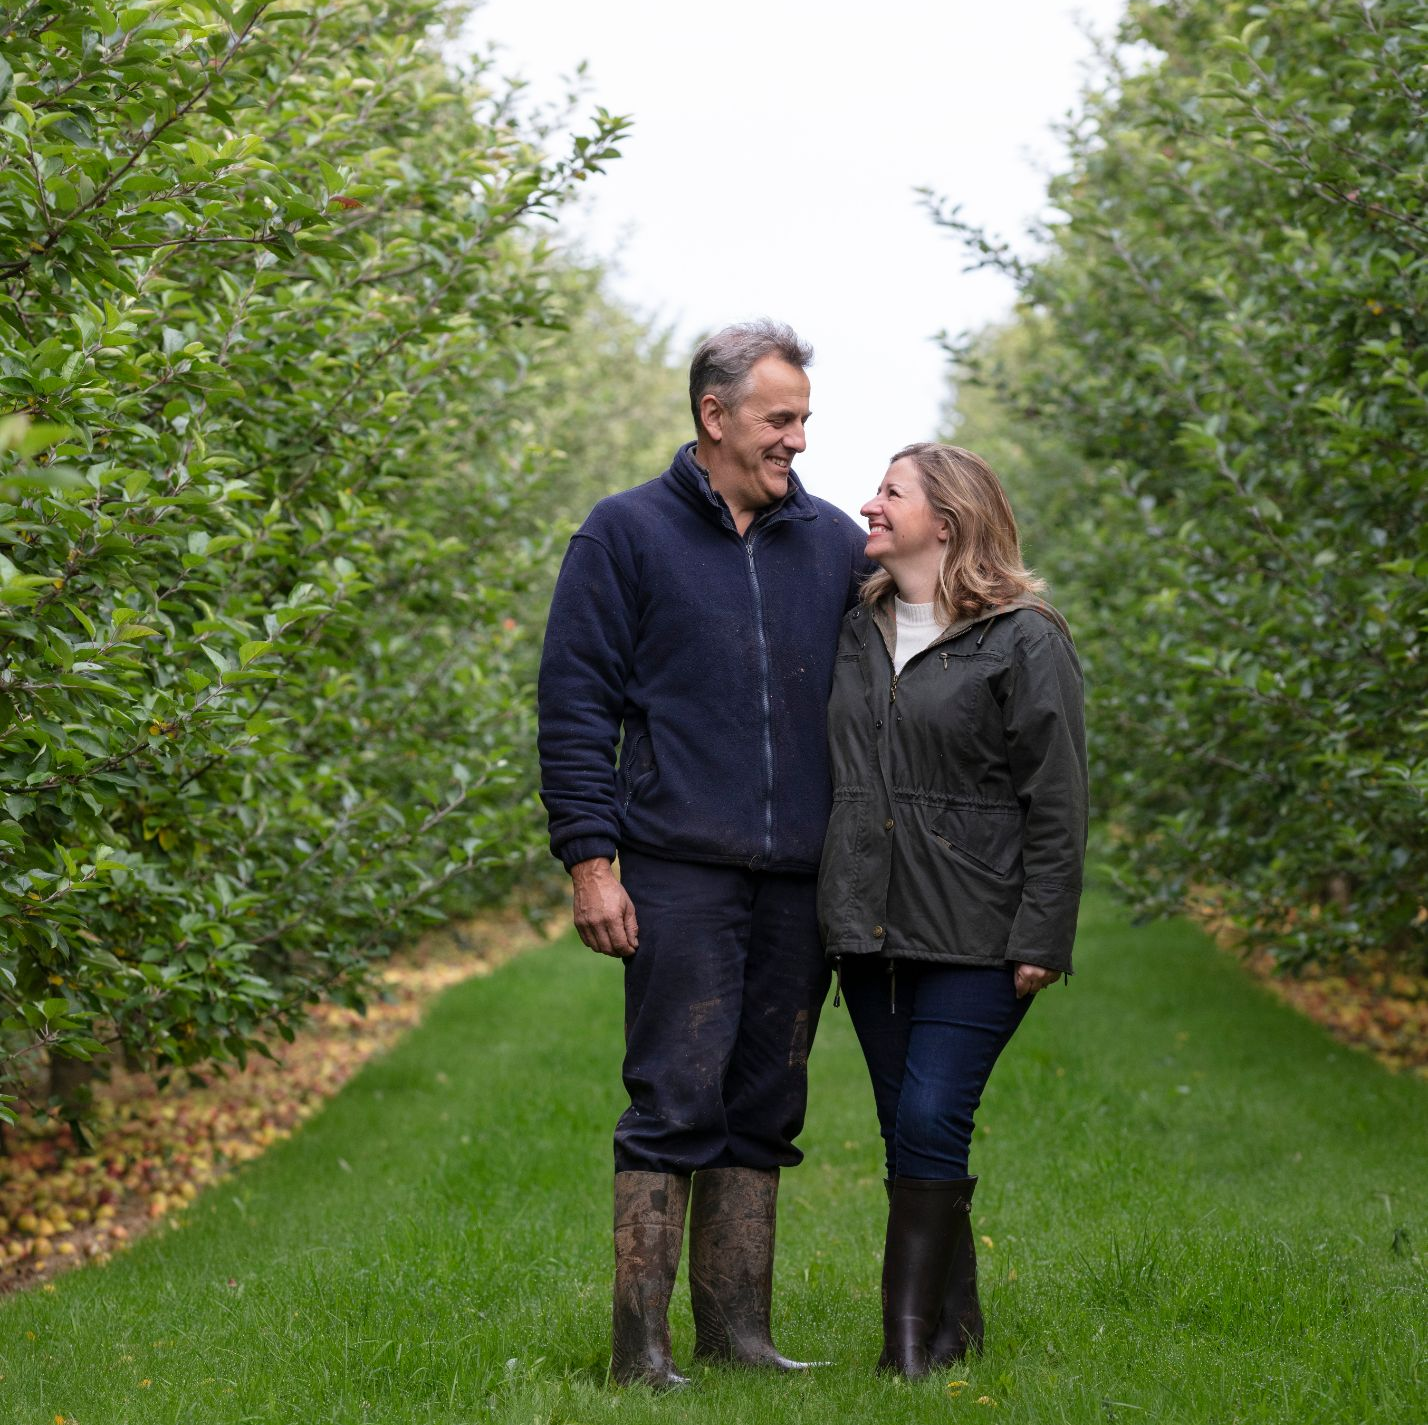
<point x="931" y="1034"/>
<point x="721" y="1003"/>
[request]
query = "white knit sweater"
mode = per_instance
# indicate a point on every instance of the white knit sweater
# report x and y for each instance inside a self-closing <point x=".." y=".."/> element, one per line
<point x="917" y="626"/>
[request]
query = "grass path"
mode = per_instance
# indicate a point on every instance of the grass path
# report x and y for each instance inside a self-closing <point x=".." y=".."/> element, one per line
<point x="1201" y="1209"/>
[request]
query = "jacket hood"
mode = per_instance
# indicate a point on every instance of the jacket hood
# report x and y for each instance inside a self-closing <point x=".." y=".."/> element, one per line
<point x="882" y="616"/>
<point x="692" y="484"/>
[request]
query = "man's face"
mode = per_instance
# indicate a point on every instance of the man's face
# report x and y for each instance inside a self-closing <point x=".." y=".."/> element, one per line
<point x="759" y="438"/>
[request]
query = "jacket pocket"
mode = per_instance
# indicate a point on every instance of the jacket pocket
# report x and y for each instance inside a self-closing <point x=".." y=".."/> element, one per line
<point x="844" y="861"/>
<point x="990" y="837"/>
<point x="637" y="767"/>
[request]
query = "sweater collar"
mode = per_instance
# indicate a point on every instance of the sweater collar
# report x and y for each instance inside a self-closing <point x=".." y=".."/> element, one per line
<point x="686" y="476"/>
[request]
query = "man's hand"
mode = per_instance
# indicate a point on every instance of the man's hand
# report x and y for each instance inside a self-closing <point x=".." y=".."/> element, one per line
<point x="1030" y="978"/>
<point x="604" y="913"/>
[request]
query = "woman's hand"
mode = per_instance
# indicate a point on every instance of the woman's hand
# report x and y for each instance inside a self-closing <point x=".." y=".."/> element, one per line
<point x="1030" y="978"/>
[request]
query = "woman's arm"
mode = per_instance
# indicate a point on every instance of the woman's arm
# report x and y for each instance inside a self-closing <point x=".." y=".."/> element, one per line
<point x="1044" y="721"/>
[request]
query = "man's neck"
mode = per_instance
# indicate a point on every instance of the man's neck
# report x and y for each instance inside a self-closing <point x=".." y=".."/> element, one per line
<point x="706" y="457"/>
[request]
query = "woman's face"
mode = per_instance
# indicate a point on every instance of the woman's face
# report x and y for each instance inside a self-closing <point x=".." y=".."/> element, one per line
<point x="903" y="528"/>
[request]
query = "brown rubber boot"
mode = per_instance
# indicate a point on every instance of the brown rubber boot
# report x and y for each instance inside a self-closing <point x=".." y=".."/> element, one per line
<point x="649" y="1231"/>
<point x="731" y="1250"/>
<point x="961" y="1329"/>
<point x="923" y="1226"/>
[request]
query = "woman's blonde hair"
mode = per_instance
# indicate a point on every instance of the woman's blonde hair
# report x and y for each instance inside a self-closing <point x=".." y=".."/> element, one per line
<point x="981" y="561"/>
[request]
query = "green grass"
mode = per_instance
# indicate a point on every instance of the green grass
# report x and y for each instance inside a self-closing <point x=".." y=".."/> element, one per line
<point x="1194" y="1199"/>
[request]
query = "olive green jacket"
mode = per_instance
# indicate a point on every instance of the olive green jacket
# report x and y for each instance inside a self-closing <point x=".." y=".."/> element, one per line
<point x="958" y="830"/>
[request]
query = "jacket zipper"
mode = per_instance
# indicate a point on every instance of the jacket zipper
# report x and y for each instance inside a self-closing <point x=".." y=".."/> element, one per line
<point x="764" y="689"/>
<point x="630" y="793"/>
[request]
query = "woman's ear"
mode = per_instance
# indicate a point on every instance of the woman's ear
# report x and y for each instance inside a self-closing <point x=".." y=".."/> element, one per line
<point x="944" y="531"/>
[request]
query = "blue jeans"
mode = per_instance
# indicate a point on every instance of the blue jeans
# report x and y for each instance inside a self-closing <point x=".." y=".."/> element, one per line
<point x="930" y="1034"/>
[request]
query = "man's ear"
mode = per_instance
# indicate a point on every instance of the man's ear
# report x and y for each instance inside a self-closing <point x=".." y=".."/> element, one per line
<point x="711" y="416"/>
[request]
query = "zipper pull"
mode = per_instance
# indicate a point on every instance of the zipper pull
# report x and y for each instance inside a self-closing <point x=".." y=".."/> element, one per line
<point x="945" y="657"/>
<point x="838" y="977"/>
<point x="893" y="690"/>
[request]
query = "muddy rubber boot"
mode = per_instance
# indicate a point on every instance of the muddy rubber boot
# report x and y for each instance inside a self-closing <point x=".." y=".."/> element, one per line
<point x="960" y="1330"/>
<point x="649" y="1231"/>
<point x="731" y="1250"/>
<point x="923" y="1218"/>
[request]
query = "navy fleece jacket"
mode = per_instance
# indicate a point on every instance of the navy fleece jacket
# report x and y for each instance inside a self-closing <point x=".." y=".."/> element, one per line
<point x="707" y="659"/>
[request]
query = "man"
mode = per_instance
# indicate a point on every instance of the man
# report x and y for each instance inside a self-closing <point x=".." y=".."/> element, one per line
<point x="695" y="624"/>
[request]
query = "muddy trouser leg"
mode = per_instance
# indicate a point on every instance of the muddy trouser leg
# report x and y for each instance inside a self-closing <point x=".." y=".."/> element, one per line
<point x="732" y="1222"/>
<point x="722" y="1000"/>
<point x="684" y="992"/>
<point x="786" y="979"/>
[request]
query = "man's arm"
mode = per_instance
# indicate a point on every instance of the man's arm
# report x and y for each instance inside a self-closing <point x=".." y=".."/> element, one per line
<point x="585" y="664"/>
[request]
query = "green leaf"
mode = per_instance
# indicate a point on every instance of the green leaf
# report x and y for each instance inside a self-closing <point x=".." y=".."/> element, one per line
<point x="28" y="437"/>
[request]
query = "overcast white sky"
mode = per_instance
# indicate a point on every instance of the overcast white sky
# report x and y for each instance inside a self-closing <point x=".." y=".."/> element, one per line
<point x="772" y="166"/>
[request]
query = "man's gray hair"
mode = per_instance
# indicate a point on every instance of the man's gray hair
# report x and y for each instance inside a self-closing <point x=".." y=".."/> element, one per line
<point x="722" y="364"/>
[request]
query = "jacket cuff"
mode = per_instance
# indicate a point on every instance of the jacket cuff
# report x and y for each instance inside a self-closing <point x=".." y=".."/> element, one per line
<point x="1044" y="930"/>
<point x="1042" y="962"/>
<point x="585" y="848"/>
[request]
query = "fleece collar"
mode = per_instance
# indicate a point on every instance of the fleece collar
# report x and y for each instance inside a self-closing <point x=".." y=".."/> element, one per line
<point x="691" y="481"/>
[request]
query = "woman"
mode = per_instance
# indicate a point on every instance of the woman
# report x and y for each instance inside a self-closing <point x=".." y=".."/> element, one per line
<point x="951" y="871"/>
